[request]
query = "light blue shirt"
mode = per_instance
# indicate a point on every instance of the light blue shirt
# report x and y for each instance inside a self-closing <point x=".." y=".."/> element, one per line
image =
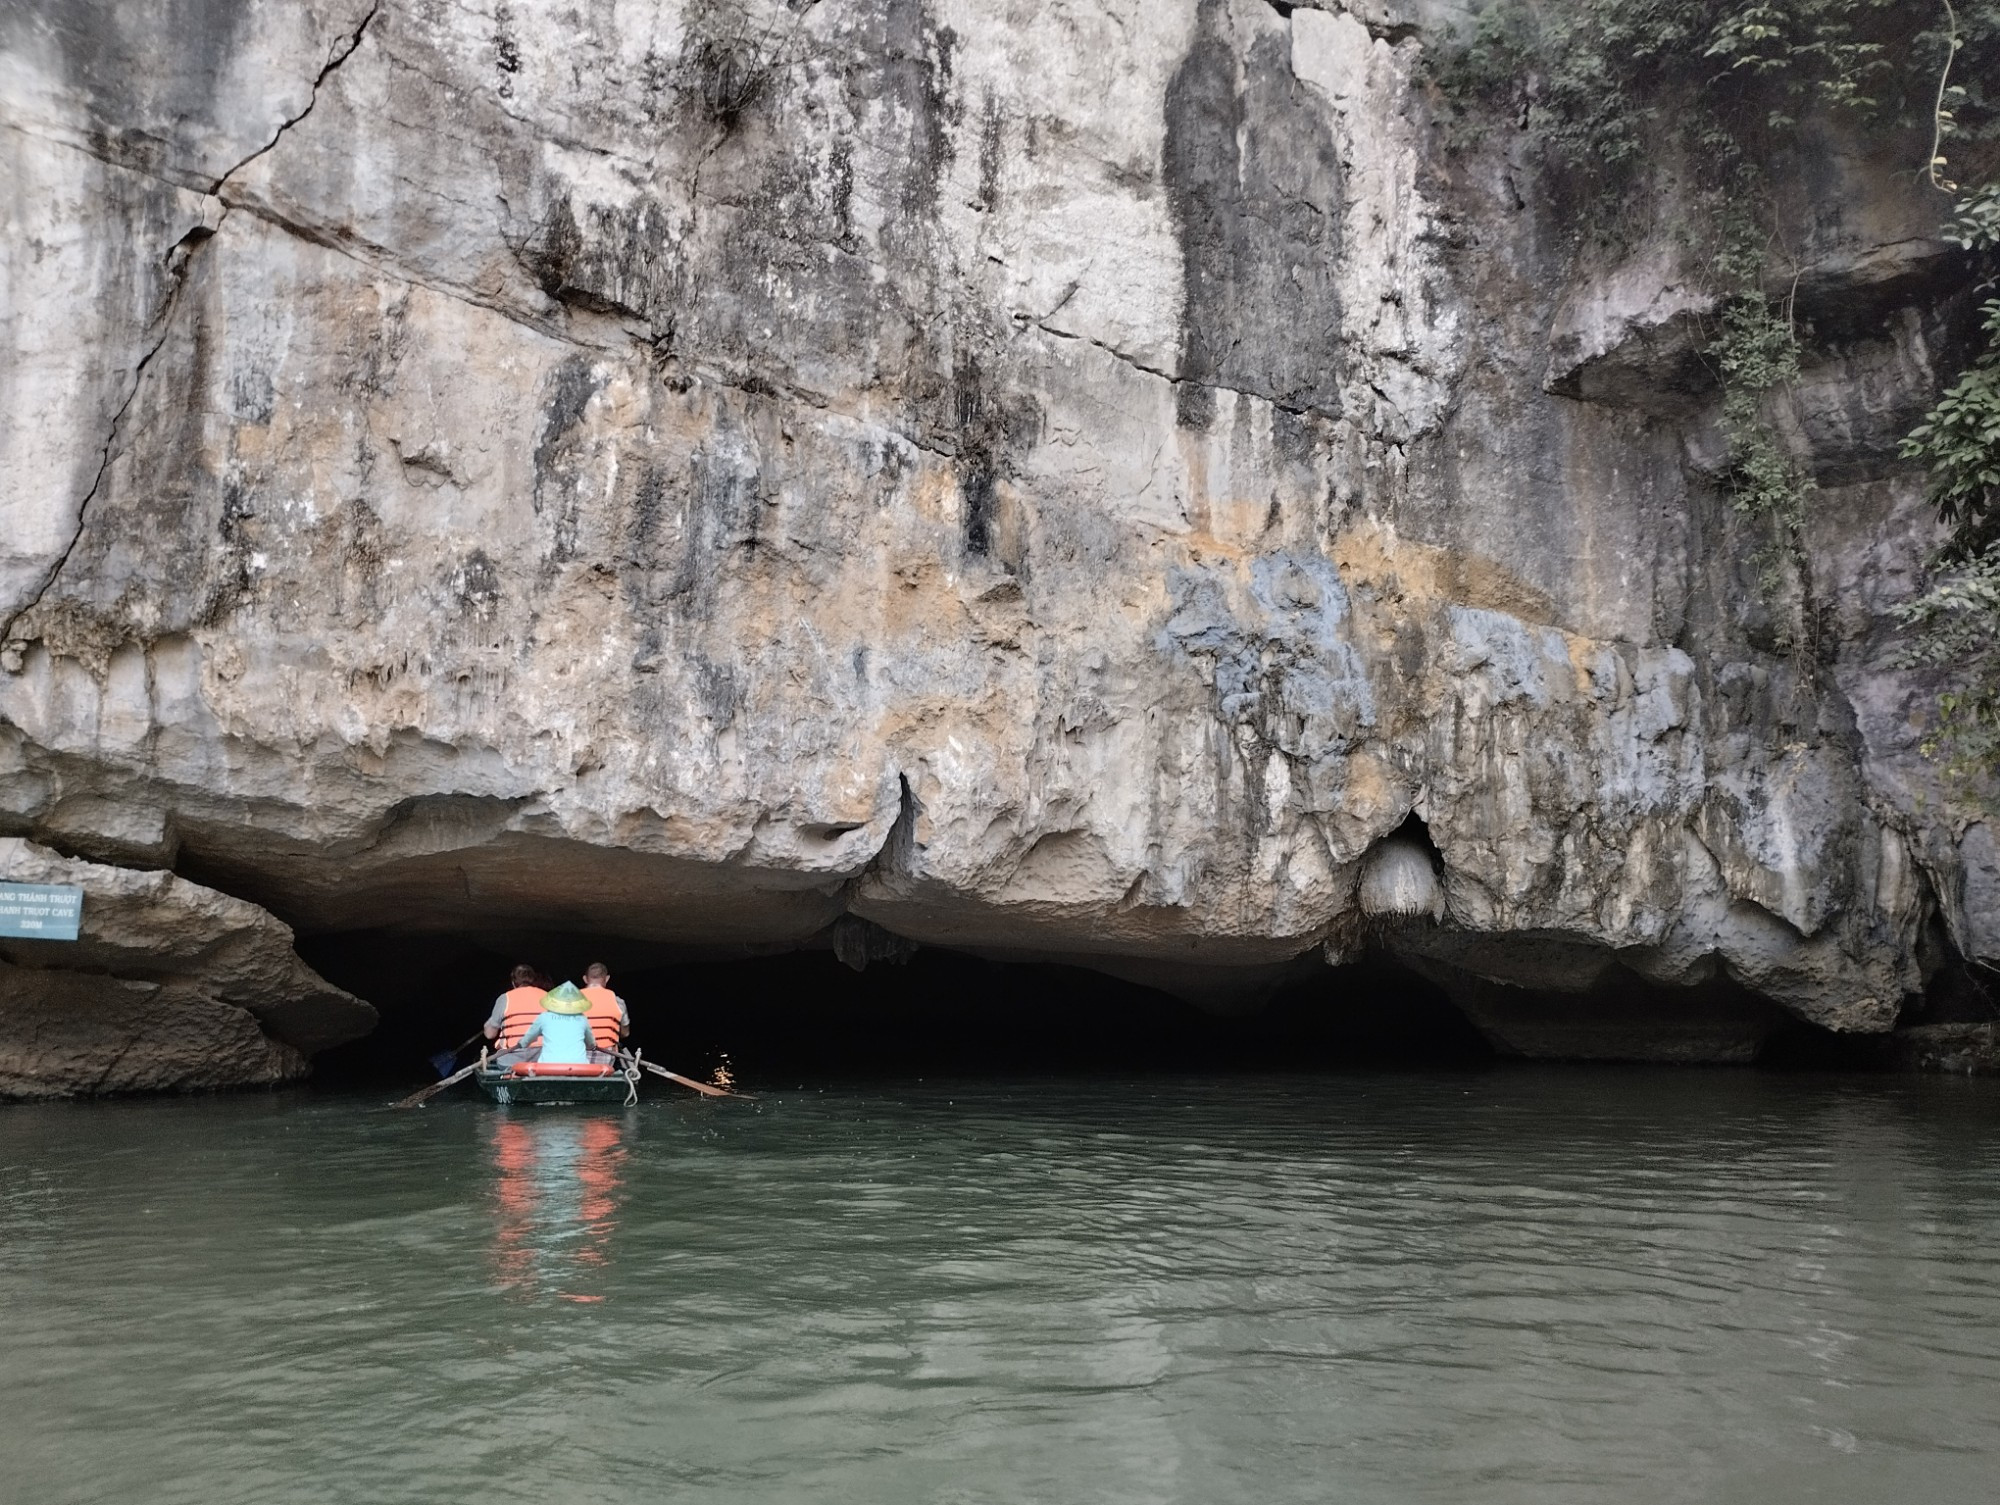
<point x="565" y="1038"/>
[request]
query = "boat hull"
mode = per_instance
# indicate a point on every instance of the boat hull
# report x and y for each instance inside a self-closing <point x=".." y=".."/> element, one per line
<point x="549" y="1091"/>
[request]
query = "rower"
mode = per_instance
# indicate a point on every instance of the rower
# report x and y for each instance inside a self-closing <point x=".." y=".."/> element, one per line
<point x="610" y="1023"/>
<point x="513" y="1012"/>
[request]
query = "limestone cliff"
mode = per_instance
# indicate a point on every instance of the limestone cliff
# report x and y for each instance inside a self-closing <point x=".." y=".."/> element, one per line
<point x="168" y="986"/>
<point x="1064" y="478"/>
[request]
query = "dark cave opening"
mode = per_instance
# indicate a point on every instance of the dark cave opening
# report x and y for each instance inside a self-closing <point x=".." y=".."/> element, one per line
<point x="797" y="1016"/>
<point x="1417" y="832"/>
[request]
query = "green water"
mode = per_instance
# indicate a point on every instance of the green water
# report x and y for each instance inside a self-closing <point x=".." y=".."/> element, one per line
<point x="1543" y="1286"/>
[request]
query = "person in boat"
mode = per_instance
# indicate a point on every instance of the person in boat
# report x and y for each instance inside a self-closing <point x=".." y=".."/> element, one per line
<point x="514" y="1011"/>
<point x="610" y="1023"/>
<point x="560" y="1035"/>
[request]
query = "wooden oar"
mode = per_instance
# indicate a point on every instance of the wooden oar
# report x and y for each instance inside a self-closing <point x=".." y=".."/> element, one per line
<point x="704" y="1088"/>
<point x="424" y="1094"/>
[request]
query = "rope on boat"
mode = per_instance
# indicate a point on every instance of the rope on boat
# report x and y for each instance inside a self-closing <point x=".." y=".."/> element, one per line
<point x="632" y="1079"/>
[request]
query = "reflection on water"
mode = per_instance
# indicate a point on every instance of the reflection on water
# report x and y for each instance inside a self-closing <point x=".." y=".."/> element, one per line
<point x="1513" y="1286"/>
<point x="555" y="1201"/>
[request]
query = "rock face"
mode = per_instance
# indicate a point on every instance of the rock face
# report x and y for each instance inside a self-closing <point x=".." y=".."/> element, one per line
<point x="69" y="1035"/>
<point x="1959" y="1049"/>
<point x="1064" y="479"/>
<point x="168" y="986"/>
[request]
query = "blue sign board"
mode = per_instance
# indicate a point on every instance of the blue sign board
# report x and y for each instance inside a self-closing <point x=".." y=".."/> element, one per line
<point x="40" y="911"/>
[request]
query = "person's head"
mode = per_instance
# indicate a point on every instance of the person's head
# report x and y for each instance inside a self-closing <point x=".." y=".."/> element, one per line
<point x="524" y="977"/>
<point x="596" y="975"/>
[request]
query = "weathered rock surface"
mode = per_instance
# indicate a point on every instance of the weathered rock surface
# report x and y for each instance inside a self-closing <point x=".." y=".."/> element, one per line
<point x="70" y="1034"/>
<point x="168" y="986"/>
<point x="1062" y="479"/>
<point x="1958" y="1049"/>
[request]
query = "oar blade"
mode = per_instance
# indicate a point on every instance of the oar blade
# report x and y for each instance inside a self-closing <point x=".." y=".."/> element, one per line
<point x="704" y="1088"/>
<point x="445" y="1060"/>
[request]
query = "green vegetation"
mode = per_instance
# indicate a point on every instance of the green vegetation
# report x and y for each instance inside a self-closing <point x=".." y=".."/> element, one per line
<point x="1956" y="623"/>
<point x="1756" y="353"/>
<point x="1720" y="90"/>
<point x="1959" y="439"/>
<point x="1598" y="82"/>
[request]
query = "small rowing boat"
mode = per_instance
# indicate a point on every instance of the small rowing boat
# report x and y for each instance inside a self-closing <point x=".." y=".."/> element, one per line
<point x="561" y="1082"/>
<point x="548" y="1083"/>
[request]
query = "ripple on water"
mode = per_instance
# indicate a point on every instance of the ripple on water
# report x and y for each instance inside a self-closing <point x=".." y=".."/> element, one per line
<point x="1547" y="1286"/>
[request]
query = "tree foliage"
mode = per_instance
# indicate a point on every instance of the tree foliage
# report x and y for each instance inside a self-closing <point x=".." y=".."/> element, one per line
<point x="1955" y="625"/>
<point x="1599" y="83"/>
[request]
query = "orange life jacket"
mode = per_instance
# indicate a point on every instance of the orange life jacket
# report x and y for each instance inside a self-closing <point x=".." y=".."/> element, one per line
<point x="603" y="1017"/>
<point x="523" y="1004"/>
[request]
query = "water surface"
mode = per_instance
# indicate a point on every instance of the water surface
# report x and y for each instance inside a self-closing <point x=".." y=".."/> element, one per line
<point x="1543" y="1286"/>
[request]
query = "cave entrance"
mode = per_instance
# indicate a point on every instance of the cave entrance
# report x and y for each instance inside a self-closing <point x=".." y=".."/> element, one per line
<point x="804" y="1016"/>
